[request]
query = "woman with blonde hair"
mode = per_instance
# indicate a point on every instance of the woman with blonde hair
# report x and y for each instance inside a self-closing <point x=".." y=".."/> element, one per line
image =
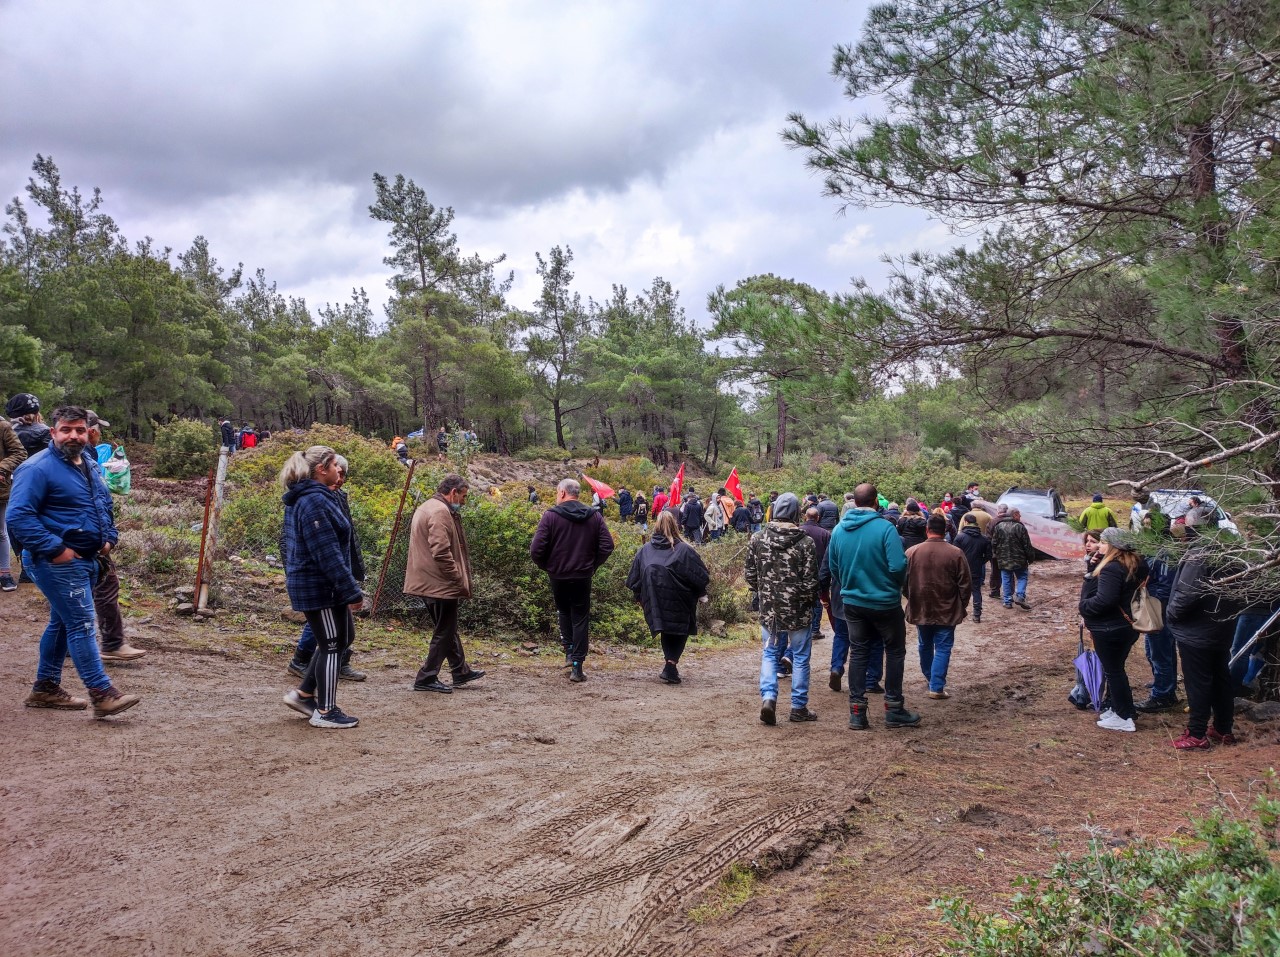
<point x="319" y="578"/>
<point x="668" y="578"/>
<point x="1105" y="597"/>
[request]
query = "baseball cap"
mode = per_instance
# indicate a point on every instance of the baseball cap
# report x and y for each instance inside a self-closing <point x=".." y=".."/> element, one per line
<point x="95" y="422"/>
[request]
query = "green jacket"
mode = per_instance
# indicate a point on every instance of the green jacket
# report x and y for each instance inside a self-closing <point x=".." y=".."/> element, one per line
<point x="782" y="569"/>
<point x="1011" y="544"/>
<point x="1097" y="517"/>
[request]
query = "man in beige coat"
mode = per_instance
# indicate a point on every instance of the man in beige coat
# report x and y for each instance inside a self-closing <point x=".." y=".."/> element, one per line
<point x="439" y="571"/>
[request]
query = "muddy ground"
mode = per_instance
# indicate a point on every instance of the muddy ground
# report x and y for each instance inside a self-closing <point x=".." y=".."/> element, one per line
<point x="524" y="815"/>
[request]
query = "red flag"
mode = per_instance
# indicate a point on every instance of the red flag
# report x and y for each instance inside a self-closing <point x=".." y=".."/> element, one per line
<point x="677" y="487"/>
<point x="733" y="486"/>
<point x="598" y="487"/>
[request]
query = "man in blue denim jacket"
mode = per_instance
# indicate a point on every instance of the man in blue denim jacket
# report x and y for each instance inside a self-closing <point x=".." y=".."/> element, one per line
<point x="60" y="510"/>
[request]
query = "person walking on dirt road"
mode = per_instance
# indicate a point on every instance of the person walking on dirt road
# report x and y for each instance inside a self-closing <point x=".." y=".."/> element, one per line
<point x="937" y="592"/>
<point x="61" y="511"/>
<point x="669" y="578"/>
<point x="318" y="577"/>
<point x="782" y="573"/>
<point x="570" y="543"/>
<point x="1011" y="548"/>
<point x="439" y="571"/>
<point x="869" y="567"/>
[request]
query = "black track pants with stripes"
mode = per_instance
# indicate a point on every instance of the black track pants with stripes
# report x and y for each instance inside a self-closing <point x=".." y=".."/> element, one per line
<point x="333" y="628"/>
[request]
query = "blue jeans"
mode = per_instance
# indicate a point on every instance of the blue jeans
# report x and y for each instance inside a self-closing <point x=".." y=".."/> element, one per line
<point x="1162" y="655"/>
<point x="840" y="653"/>
<point x="72" y="624"/>
<point x="800" y="641"/>
<point x="935" y="643"/>
<point x="1246" y="669"/>
<point x="1007" y="578"/>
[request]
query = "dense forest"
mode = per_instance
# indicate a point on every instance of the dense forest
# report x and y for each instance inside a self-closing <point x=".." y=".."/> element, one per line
<point x="1112" y="315"/>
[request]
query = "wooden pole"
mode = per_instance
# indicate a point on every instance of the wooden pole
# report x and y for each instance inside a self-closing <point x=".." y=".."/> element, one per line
<point x="391" y="542"/>
<point x="204" y="531"/>
<point x="211" y="526"/>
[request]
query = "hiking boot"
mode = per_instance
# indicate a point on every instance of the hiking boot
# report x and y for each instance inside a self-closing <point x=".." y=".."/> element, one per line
<point x="977" y="619"/>
<point x="472" y="675"/>
<point x="858" y="717"/>
<point x="108" y="701"/>
<point x="802" y="714"/>
<point x="1218" y="737"/>
<point x="435" y="684"/>
<point x="123" y="653"/>
<point x="876" y="688"/>
<point x="575" y="673"/>
<point x="333" y="718"/>
<point x="347" y="673"/>
<point x="670" y="674"/>
<point x="298" y="668"/>
<point x="896" y="714"/>
<point x="49" y="694"/>
<point x="1154" y="704"/>
<point x="301" y="703"/>
<point x="769" y="711"/>
<point x="1189" y="742"/>
<point x="1022" y="603"/>
<point x="833" y="680"/>
<point x="1113" y="722"/>
<point x="939" y="695"/>
<point x="7" y="583"/>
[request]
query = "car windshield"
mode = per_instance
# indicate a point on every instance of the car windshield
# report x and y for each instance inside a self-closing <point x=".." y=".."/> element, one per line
<point x="1037" y="503"/>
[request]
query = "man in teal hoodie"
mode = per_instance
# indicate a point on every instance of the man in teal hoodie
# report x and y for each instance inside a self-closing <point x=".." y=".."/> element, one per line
<point x="869" y="567"/>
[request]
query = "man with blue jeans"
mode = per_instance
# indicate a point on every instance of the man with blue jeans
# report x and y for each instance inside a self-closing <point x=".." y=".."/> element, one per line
<point x="61" y="511"/>
<point x="937" y="590"/>
<point x="1011" y="547"/>
<point x="782" y="571"/>
<point x="868" y="567"/>
<point x="1162" y="649"/>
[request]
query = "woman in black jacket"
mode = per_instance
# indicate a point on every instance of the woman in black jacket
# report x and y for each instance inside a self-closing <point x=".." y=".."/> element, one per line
<point x="911" y="527"/>
<point x="1203" y="624"/>
<point x="668" y="577"/>
<point x="1105" y="598"/>
<point x="977" y="551"/>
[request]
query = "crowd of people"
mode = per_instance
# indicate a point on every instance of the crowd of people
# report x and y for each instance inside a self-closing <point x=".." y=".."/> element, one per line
<point x="869" y="566"/>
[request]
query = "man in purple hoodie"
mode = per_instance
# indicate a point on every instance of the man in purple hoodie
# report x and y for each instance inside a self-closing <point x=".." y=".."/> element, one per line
<point x="571" y="542"/>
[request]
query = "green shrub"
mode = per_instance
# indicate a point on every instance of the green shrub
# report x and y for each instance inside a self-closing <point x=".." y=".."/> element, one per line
<point x="727" y="595"/>
<point x="1217" y="893"/>
<point x="372" y="463"/>
<point x="185" y="448"/>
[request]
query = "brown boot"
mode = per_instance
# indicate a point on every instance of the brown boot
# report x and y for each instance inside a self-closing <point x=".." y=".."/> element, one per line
<point x="49" y="694"/>
<point x="108" y="701"/>
<point x="123" y="653"/>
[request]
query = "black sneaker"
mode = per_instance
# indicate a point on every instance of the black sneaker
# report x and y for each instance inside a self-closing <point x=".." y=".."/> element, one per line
<point x="875" y="689"/>
<point x="333" y="718"/>
<point x="803" y="714"/>
<point x="435" y="684"/>
<point x="472" y="675"/>
<point x="1022" y="603"/>
<point x="669" y="674"/>
<point x="1154" y="704"/>
<point x="784" y="668"/>
<point x="6" y="581"/>
<point x="347" y="673"/>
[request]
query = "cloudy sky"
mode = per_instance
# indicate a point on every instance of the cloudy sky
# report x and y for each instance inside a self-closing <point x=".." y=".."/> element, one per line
<point x="644" y="135"/>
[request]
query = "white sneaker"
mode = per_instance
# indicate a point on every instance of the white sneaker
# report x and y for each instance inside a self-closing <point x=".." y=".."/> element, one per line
<point x="1117" y="723"/>
<point x="1105" y="715"/>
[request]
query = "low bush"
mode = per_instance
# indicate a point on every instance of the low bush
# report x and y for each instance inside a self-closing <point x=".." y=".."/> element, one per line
<point x="185" y="448"/>
<point x="1215" y="893"/>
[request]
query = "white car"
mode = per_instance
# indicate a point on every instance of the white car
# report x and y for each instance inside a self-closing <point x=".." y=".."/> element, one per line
<point x="1176" y="502"/>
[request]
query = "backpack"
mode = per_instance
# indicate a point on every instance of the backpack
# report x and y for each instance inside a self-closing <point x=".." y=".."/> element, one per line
<point x="756" y="511"/>
<point x="1145" y="612"/>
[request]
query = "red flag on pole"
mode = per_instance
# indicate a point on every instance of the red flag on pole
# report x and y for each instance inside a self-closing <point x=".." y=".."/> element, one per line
<point x="677" y="487"/>
<point x="733" y="486"/>
<point x="598" y="487"/>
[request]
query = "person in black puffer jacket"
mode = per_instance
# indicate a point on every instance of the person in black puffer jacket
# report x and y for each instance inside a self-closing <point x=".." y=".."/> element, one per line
<point x="668" y="578"/>
<point x="977" y="551"/>
<point x="1203" y="623"/>
<point x="911" y="527"/>
<point x="1105" y="597"/>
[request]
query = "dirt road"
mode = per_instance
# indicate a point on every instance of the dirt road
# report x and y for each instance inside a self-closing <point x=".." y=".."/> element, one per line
<point x="524" y="815"/>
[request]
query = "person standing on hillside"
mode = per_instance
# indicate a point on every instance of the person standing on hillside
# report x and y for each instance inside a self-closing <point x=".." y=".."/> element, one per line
<point x="61" y="511"/>
<point x="439" y="571"/>
<point x="692" y="516"/>
<point x="442" y="444"/>
<point x="937" y="592"/>
<point x="668" y="578"/>
<point x="782" y="572"/>
<point x="569" y="544"/>
<point x="869" y="567"/>
<point x="319" y="580"/>
<point x="106" y="593"/>
<point x="659" y="501"/>
<point x="1011" y="546"/>
<point x="626" y="504"/>
<point x="12" y="454"/>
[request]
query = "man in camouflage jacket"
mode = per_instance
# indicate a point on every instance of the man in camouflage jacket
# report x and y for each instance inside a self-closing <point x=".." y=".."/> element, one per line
<point x="1012" y="550"/>
<point x="782" y="571"/>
